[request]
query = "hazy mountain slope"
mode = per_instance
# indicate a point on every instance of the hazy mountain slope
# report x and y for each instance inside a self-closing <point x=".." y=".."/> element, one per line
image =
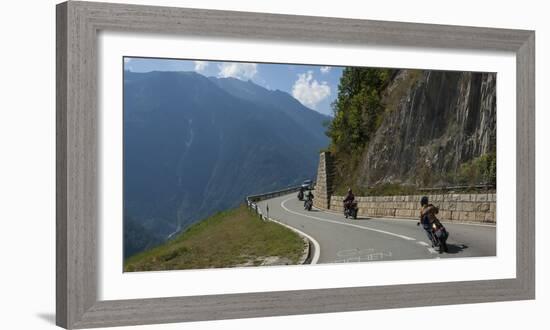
<point x="191" y="148"/>
<point x="281" y="101"/>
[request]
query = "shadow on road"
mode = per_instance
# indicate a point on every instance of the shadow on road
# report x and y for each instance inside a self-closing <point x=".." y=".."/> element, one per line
<point x="358" y="218"/>
<point x="456" y="248"/>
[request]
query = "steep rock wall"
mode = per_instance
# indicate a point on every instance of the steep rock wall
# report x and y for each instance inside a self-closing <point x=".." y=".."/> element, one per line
<point x="434" y="122"/>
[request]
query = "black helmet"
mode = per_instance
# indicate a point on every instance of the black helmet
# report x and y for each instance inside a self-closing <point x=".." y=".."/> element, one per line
<point x="424" y="200"/>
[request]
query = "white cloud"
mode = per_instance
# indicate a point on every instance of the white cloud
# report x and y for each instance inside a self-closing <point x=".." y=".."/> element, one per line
<point x="200" y="66"/>
<point x="309" y="91"/>
<point x="324" y="69"/>
<point x="243" y="71"/>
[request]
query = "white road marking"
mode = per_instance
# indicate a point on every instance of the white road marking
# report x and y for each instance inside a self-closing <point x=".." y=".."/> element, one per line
<point x="428" y="246"/>
<point x="316" y="246"/>
<point x="369" y="257"/>
<point x="353" y="252"/>
<point x="376" y="256"/>
<point x="345" y="223"/>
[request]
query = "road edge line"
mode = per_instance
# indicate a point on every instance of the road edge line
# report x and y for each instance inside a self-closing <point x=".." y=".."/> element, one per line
<point x="316" y="245"/>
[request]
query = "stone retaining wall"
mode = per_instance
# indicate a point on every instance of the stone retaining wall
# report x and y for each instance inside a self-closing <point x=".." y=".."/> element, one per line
<point x="323" y="183"/>
<point x="479" y="207"/>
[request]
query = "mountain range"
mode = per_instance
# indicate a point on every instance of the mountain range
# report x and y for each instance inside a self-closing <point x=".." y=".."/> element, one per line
<point x="196" y="145"/>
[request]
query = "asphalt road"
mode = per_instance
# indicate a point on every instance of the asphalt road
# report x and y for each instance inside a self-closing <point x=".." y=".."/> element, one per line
<point x="373" y="239"/>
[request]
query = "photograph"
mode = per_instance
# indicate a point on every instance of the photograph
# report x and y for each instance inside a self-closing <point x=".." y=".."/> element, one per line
<point x="240" y="164"/>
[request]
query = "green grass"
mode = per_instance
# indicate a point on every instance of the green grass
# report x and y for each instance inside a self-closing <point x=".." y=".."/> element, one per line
<point x="236" y="237"/>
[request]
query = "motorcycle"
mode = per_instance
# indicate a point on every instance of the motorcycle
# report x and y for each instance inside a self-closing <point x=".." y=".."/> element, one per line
<point x="351" y="209"/>
<point x="301" y="195"/>
<point x="308" y="204"/>
<point x="439" y="236"/>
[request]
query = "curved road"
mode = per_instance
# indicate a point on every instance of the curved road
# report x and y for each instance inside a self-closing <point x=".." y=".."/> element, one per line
<point x="373" y="239"/>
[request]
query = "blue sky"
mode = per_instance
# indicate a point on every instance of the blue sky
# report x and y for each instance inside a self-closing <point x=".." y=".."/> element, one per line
<point x="314" y="86"/>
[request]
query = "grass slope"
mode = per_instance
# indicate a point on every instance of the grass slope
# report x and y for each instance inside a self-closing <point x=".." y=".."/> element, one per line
<point x="236" y="237"/>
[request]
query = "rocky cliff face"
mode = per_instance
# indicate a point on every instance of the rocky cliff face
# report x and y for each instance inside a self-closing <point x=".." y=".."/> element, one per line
<point x="434" y="122"/>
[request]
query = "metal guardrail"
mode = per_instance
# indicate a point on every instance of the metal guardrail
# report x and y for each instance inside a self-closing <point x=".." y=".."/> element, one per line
<point x="271" y="194"/>
<point x="253" y="199"/>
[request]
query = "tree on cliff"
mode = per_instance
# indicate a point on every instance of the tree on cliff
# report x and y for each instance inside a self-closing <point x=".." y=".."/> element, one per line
<point x="358" y="108"/>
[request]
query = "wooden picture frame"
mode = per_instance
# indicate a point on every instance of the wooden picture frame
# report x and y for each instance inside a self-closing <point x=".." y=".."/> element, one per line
<point x="78" y="24"/>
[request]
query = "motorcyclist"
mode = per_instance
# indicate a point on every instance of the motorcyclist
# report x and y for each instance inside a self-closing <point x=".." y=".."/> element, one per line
<point x="427" y="214"/>
<point x="309" y="199"/>
<point x="428" y="220"/>
<point x="349" y="199"/>
<point x="301" y="193"/>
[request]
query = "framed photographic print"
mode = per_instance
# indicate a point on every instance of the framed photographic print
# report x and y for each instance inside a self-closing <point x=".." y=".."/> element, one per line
<point x="216" y="165"/>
